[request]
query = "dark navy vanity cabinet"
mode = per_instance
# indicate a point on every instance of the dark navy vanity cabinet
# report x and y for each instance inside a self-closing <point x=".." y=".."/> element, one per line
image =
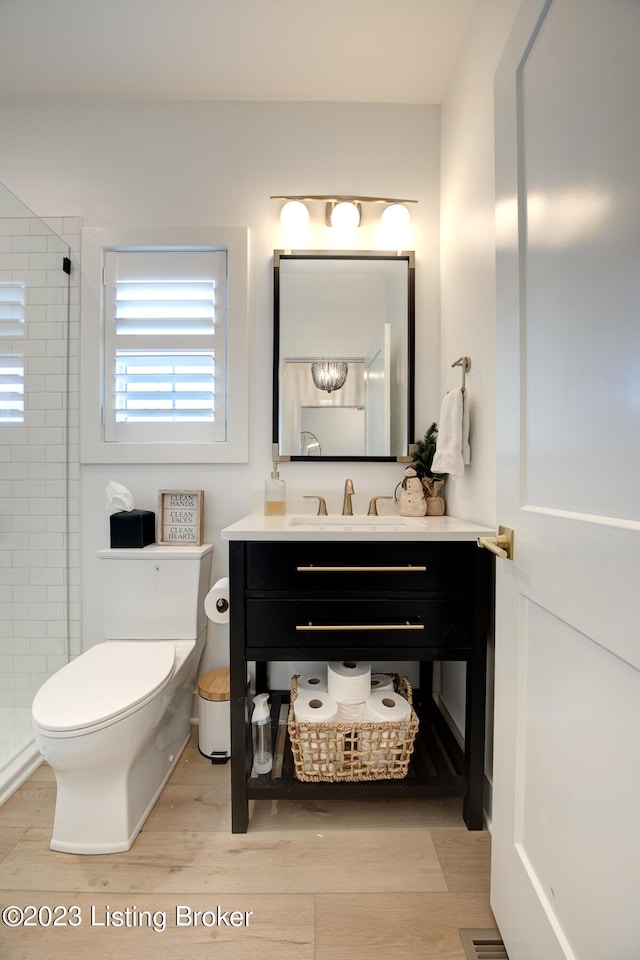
<point x="394" y="600"/>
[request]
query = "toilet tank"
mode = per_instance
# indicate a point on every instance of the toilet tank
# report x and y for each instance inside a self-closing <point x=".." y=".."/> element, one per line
<point x="155" y="592"/>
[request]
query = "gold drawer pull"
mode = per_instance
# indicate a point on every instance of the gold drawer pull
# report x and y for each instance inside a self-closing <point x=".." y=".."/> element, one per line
<point x="360" y="626"/>
<point x="408" y="569"/>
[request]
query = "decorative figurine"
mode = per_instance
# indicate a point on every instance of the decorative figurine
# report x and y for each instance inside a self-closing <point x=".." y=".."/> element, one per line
<point x="412" y="502"/>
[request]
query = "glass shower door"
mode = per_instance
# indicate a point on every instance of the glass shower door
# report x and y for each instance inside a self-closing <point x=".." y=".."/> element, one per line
<point x="34" y="473"/>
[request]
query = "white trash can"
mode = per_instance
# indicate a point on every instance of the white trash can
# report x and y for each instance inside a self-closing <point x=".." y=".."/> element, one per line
<point x="214" y="715"/>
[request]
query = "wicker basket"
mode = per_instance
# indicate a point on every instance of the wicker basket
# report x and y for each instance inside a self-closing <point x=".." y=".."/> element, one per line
<point x="355" y="750"/>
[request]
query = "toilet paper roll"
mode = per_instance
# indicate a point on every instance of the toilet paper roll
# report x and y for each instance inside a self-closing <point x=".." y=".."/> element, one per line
<point x="386" y="705"/>
<point x="381" y="681"/>
<point x="348" y="712"/>
<point x="313" y="710"/>
<point x="316" y="680"/>
<point x="380" y="745"/>
<point x="314" y="707"/>
<point x="216" y="602"/>
<point x="348" y="681"/>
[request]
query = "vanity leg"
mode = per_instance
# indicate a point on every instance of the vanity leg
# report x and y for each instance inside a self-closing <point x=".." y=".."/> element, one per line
<point x="238" y="692"/>
<point x="476" y="698"/>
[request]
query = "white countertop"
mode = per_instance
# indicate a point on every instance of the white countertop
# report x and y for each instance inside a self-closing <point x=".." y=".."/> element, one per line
<point x="256" y="526"/>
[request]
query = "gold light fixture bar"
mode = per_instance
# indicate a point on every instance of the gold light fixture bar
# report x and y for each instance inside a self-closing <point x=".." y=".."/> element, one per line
<point x="339" y="199"/>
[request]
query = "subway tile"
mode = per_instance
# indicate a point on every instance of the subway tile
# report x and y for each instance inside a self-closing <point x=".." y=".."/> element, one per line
<point x="46" y="261"/>
<point x="28" y="488"/>
<point x="46" y="575"/>
<point x="29" y="454"/>
<point x="47" y="505"/>
<point x="30" y="525"/>
<point x="47" y="541"/>
<point x="30" y="558"/>
<point x="45" y="330"/>
<point x="40" y="294"/>
<point x="34" y="280"/>
<point x="10" y="574"/>
<point x="46" y="645"/>
<point x="45" y="365"/>
<point x="30" y="244"/>
<point x="15" y="262"/>
<point x="26" y="629"/>
<point x="46" y="471"/>
<point x="34" y="418"/>
<point x="14" y="506"/>
<point x="30" y="594"/>
<point x="45" y="401"/>
<point x="9" y="226"/>
<point x="38" y="611"/>
<point x="35" y="313"/>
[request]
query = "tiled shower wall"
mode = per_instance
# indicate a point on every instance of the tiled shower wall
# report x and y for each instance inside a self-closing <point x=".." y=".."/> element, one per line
<point x="39" y="468"/>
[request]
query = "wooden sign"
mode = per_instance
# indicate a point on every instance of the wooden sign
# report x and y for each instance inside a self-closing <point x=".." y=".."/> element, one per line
<point x="180" y="517"/>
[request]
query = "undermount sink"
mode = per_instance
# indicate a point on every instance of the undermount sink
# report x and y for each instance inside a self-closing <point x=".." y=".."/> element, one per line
<point x="350" y="523"/>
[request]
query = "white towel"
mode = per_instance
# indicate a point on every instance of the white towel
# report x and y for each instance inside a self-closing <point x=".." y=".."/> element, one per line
<point x="452" y="445"/>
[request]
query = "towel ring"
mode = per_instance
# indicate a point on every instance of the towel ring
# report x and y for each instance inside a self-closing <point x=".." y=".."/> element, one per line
<point x="465" y="363"/>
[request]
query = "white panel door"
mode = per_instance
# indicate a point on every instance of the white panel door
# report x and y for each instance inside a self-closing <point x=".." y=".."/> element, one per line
<point x="566" y="839"/>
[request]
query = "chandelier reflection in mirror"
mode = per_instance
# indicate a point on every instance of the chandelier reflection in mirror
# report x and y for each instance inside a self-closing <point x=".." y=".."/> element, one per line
<point x="329" y="375"/>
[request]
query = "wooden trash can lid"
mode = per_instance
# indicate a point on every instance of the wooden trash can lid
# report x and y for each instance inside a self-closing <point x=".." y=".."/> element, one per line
<point x="214" y="685"/>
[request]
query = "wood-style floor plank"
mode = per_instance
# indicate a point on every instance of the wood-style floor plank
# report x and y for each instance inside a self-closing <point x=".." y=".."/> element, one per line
<point x="465" y="858"/>
<point x="158" y="925"/>
<point x="401" y="927"/>
<point x="9" y="836"/>
<point x="277" y="862"/>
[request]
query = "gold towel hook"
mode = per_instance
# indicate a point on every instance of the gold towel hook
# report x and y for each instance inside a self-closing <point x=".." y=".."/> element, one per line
<point x="465" y="363"/>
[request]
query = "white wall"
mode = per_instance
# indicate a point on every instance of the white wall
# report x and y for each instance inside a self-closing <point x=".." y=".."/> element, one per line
<point x="218" y="163"/>
<point x="468" y="278"/>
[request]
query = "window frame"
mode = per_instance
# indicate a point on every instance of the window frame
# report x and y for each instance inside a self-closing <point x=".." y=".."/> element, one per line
<point x="94" y="448"/>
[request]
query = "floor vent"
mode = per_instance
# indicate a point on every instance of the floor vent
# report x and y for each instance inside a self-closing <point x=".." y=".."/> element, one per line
<point x="483" y="945"/>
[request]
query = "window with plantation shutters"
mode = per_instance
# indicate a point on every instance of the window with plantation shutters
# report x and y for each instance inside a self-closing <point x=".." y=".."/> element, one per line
<point x="165" y="345"/>
<point x="12" y="308"/>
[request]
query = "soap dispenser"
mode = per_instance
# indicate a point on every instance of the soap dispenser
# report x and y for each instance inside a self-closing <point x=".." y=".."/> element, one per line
<point x="275" y="495"/>
<point x="261" y="734"/>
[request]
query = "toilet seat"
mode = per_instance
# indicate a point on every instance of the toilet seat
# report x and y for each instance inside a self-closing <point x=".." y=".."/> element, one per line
<point x="108" y="681"/>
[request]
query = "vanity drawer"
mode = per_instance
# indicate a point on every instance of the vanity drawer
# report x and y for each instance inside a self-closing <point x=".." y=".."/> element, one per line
<point x="353" y="623"/>
<point x="314" y="567"/>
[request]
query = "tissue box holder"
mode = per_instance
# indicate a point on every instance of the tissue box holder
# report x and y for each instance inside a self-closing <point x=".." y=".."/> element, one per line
<point x="133" y="528"/>
<point x="355" y="750"/>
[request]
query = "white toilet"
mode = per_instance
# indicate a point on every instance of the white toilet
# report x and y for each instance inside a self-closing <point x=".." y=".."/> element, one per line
<point x="113" y="722"/>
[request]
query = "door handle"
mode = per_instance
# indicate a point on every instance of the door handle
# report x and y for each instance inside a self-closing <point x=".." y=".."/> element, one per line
<point x="501" y="546"/>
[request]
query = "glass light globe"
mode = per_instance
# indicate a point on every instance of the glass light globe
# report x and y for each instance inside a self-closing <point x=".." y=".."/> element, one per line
<point x="294" y="215"/>
<point x="345" y="216"/>
<point x="395" y="217"/>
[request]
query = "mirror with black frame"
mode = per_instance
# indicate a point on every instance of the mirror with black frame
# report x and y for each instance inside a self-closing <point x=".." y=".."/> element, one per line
<point x="343" y="364"/>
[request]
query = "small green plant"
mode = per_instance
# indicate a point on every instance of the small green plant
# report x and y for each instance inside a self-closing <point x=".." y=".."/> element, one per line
<point x="424" y="453"/>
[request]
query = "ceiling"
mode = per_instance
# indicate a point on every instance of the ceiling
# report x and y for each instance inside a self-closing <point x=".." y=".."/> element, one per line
<point x="380" y="51"/>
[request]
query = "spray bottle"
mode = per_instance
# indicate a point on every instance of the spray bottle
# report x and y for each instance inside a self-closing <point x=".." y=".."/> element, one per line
<point x="261" y="734"/>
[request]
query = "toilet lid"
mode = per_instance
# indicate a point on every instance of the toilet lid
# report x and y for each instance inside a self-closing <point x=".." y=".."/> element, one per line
<point x="101" y="683"/>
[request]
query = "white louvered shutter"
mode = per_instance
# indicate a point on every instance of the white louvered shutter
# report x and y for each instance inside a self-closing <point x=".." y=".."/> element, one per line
<point x="165" y="353"/>
<point x="12" y="309"/>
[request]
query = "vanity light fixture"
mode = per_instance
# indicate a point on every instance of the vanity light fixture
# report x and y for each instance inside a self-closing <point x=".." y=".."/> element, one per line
<point x="329" y="375"/>
<point x="344" y="211"/>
